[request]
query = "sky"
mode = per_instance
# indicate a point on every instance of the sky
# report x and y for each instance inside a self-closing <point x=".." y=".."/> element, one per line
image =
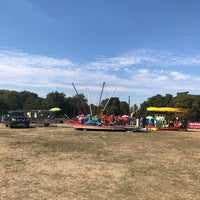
<point x="139" y="48"/>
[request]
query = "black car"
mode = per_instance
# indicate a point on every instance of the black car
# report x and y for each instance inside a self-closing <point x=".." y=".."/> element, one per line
<point x="16" y="119"/>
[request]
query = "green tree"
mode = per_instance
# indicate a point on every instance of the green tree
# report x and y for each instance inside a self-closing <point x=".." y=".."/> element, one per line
<point x="3" y="103"/>
<point x="194" y="111"/>
<point x="55" y="99"/>
<point x="111" y="106"/>
<point x="160" y="101"/>
<point x="124" y="107"/>
<point x="12" y="100"/>
<point x="77" y="104"/>
<point x="183" y="100"/>
<point x="134" y="108"/>
<point x="155" y="101"/>
<point x="31" y="101"/>
<point x="191" y="102"/>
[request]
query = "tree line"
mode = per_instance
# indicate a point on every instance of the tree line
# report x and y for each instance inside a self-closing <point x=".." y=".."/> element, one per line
<point x="183" y="100"/>
<point x="72" y="106"/>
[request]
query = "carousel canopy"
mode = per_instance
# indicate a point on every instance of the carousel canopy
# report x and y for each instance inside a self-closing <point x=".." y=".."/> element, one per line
<point x="166" y="109"/>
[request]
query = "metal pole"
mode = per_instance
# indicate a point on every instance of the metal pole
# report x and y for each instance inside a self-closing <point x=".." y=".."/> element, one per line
<point x="84" y="109"/>
<point x="129" y="109"/>
<point x="89" y="101"/>
<point x="108" y="101"/>
<point x="101" y="94"/>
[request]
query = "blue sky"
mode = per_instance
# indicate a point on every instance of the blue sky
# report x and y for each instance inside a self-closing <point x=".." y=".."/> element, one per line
<point x="140" y="48"/>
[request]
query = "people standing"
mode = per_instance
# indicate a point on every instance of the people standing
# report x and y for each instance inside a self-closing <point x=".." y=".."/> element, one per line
<point x="132" y="118"/>
<point x="143" y="121"/>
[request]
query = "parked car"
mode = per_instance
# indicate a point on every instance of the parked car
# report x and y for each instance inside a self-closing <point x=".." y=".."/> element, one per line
<point x="16" y="119"/>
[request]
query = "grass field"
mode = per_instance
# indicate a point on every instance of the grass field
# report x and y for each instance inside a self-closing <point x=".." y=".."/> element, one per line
<point x="60" y="163"/>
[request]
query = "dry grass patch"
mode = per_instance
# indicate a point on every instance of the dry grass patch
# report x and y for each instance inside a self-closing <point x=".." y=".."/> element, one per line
<point x="61" y="163"/>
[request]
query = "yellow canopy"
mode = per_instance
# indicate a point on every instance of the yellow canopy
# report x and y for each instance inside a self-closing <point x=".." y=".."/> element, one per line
<point x="166" y="109"/>
<point x="55" y="109"/>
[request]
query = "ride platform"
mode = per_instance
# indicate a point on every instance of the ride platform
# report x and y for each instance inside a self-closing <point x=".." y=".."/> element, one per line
<point x="109" y="128"/>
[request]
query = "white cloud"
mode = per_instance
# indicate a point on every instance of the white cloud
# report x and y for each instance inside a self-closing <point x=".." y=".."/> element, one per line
<point x="179" y="76"/>
<point x="162" y="78"/>
<point x="23" y="59"/>
<point x="144" y="58"/>
<point x="139" y="72"/>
